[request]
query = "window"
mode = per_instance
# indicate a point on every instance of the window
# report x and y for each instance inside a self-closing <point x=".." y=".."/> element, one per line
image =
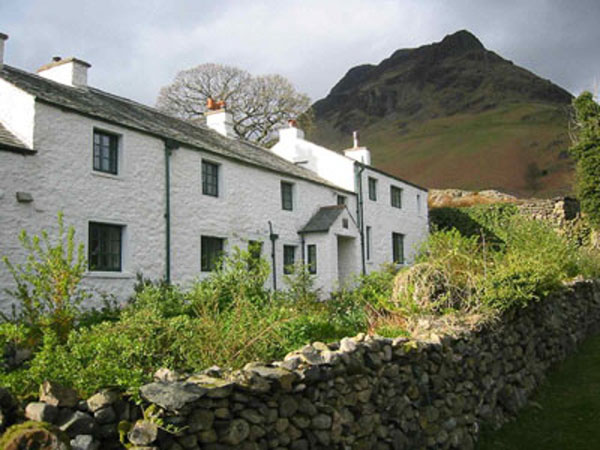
<point x="372" y="189"/>
<point x="210" y="179"/>
<point x="341" y="199"/>
<point x="418" y="203"/>
<point x="368" y="243"/>
<point x="211" y="250"/>
<point x="398" y="248"/>
<point x="345" y="223"/>
<point x="289" y="258"/>
<point x="287" y="196"/>
<point x="396" y="196"/>
<point x="312" y="258"/>
<point x="106" y="152"/>
<point x="105" y="247"/>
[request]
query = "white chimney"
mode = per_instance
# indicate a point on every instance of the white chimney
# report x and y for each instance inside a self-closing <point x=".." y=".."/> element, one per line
<point x="3" y="37"/>
<point x="221" y="121"/>
<point x="69" y="71"/>
<point x="358" y="153"/>
<point x="291" y="132"/>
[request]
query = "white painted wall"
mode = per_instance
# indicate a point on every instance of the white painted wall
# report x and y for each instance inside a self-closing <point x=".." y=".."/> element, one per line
<point x="17" y="112"/>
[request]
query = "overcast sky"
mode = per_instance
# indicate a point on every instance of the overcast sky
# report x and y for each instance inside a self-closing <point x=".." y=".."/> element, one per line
<point x="137" y="46"/>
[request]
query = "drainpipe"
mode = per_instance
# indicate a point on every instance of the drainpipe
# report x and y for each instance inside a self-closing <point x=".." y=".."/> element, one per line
<point x="360" y="215"/>
<point x="273" y="238"/>
<point x="303" y="250"/>
<point x="170" y="145"/>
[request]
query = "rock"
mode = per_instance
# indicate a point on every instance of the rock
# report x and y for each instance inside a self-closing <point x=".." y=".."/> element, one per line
<point x="105" y="415"/>
<point x="311" y="355"/>
<point x="201" y="420"/>
<point x="41" y="412"/>
<point x="235" y="432"/>
<point x="34" y="435"/>
<point x="167" y="375"/>
<point x="208" y="436"/>
<point x="284" y="377"/>
<point x="252" y="416"/>
<point x="287" y="406"/>
<point x="77" y="422"/>
<point x="215" y="387"/>
<point x="321" y="422"/>
<point x="172" y="396"/>
<point x="143" y="433"/>
<point x="105" y="397"/>
<point x="58" y="395"/>
<point x="84" y="442"/>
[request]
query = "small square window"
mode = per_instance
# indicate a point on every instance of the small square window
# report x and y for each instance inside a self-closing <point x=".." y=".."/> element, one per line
<point x="289" y="258"/>
<point x="398" y="248"/>
<point x="287" y="196"/>
<point x="372" y="189"/>
<point x="210" y="179"/>
<point x="312" y="258"/>
<point x="105" y="246"/>
<point x="396" y="196"/>
<point x="106" y="152"/>
<point x="211" y="251"/>
<point x="341" y="199"/>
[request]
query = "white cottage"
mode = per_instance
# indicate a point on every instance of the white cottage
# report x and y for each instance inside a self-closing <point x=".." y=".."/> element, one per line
<point x="148" y="193"/>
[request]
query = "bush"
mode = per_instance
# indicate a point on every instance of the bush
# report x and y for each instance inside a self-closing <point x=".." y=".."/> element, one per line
<point x="48" y="288"/>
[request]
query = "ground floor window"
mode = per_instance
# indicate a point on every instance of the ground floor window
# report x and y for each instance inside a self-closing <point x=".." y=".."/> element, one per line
<point x="398" y="248"/>
<point x="105" y="247"/>
<point x="211" y="250"/>
<point x="289" y="258"/>
<point x="312" y="258"/>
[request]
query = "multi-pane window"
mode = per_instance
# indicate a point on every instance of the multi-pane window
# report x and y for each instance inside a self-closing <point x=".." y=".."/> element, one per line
<point x="372" y="189"/>
<point x="287" y="196"/>
<point x="398" y="248"/>
<point x="341" y="199"/>
<point x="312" y="258"/>
<point x="289" y="258"/>
<point x="368" y="239"/>
<point x="210" y="178"/>
<point x="105" y="247"/>
<point x="211" y="250"/>
<point x="396" y="196"/>
<point x="106" y="152"/>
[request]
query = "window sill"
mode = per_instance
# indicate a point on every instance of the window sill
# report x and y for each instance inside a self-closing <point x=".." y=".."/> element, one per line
<point x="109" y="275"/>
<point x="107" y="175"/>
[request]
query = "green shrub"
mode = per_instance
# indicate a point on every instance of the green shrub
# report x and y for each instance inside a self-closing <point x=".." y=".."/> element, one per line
<point x="48" y="288"/>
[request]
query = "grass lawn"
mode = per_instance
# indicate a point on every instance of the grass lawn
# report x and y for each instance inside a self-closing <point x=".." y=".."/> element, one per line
<point x="569" y="417"/>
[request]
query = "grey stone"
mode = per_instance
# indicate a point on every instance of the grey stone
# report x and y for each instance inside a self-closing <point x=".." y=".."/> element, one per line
<point x="143" y="433"/>
<point x="201" y="420"/>
<point x="172" y="396"/>
<point x="105" y="415"/>
<point x="215" y="387"/>
<point x="84" y="442"/>
<point x="287" y="406"/>
<point x="321" y="422"/>
<point x="58" y="395"/>
<point x="252" y="416"/>
<point x="208" y="436"/>
<point x="284" y="377"/>
<point x="167" y="375"/>
<point x="41" y="412"/>
<point x="105" y="397"/>
<point x="347" y="345"/>
<point x="236" y="431"/>
<point x="77" y="422"/>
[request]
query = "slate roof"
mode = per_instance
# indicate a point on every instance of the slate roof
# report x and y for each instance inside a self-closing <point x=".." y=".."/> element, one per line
<point x="10" y="141"/>
<point x="323" y="219"/>
<point x="121" y="111"/>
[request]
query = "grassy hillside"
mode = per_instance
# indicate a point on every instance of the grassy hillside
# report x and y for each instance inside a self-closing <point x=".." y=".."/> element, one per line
<point x="454" y="115"/>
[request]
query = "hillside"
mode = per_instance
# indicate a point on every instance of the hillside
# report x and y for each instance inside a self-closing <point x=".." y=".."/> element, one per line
<point x="454" y="115"/>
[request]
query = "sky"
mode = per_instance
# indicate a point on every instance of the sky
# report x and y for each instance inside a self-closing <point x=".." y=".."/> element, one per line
<point x="137" y="46"/>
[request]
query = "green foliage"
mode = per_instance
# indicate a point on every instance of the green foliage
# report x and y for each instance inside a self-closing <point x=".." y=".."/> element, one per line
<point x="586" y="151"/>
<point x="48" y="288"/>
<point x="301" y="284"/>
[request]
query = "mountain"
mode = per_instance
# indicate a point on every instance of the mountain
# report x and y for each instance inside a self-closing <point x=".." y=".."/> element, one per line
<point x="453" y="115"/>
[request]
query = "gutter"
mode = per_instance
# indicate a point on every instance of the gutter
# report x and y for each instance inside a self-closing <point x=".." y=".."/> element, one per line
<point x="360" y="216"/>
<point x="170" y="145"/>
<point x="16" y="149"/>
<point x="273" y="238"/>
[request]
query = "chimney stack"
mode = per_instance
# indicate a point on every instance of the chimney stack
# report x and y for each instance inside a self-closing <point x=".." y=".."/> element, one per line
<point x="69" y="71"/>
<point x="218" y="119"/>
<point x="291" y="132"/>
<point x="3" y="37"/>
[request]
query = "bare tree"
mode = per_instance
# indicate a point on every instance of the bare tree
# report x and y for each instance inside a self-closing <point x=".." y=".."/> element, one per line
<point x="258" y="104"/>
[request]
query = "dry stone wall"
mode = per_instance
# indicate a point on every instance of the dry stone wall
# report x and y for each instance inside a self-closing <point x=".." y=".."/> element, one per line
<point x="361" y="393"/>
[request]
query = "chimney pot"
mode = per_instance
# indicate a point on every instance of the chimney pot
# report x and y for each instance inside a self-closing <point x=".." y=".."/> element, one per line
<point x="3" y="37"/>
<point x="293" y="123"/>
<point x="56" y="58"/>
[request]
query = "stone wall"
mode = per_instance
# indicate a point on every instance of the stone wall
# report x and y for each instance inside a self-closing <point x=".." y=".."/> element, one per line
<point x="361" y="393"/>
<point x="557" y="210"/>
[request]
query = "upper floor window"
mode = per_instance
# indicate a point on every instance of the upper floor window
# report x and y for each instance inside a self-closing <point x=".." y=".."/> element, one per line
<point x="398" y="248"/>
<point x="210" y="178"/>
<point x="289" y="258"/>
<point x="372" y="189"/>
<point x="105" y="247"/>
<point x="396" y="196"/>
<point x="312" y="258"/>
<point x="287" y="196"/>
<point x="211" y="251"/>
<point x="341" y="199"/>
<point x="106" y="152"/>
